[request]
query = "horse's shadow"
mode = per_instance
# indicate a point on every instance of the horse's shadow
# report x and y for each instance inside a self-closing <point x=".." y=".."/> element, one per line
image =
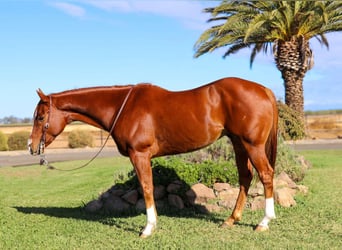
<point x="159" y="173"/>
<point x="115" y="220"/>
<point x="78" y="213"/>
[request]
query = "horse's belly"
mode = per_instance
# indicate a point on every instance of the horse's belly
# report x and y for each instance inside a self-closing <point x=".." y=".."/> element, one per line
<point x="186" y="141"/>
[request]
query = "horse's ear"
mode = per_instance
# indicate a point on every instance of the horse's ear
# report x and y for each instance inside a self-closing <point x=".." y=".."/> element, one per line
<point x="42" y="96"/>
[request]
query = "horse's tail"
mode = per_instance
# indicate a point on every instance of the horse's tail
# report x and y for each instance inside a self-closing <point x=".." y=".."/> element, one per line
<point x="272" y="140"/>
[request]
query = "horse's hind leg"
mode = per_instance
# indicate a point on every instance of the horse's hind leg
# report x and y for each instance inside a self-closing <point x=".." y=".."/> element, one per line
<point x="245" y="177"/>
<point x="259" y="159"/>
<point x="142" y="166"/>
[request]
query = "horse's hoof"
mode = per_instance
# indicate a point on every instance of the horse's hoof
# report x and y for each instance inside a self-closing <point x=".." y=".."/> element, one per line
<point x="148" y="230"/>
<point x="144" y="236"/>
<point x="260" y="228"/>
<point x="226" y="224"/>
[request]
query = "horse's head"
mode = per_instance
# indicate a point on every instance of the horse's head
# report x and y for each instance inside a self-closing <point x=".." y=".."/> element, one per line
<point x="48" y="123"/>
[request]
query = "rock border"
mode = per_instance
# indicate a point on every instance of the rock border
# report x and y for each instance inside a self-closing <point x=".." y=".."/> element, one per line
<point x="221" y="197"/>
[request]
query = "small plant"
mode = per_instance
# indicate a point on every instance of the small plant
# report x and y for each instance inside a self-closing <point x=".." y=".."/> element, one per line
<point x="3" y="142"/>
<point x="18" y="140"/>
<point x="80" y="139"/>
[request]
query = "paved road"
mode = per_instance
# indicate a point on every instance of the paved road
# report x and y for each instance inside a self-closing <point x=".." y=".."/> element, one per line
<point x="316" y="144"/>
<point x="23" y="158"/>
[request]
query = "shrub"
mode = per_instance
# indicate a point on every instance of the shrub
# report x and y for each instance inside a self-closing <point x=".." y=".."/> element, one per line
<point x="215" y="163"/>
<point x="168" y="169"/>
<point x="80" y="139"/>
<point x="288" y="161"/>
<point x="18" y="140"/>
<point x="3" y="142"/>
<point x="290" y="127"/>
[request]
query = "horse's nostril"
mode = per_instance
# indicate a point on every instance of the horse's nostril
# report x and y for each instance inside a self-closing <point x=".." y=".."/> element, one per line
<point x="29" y="142"/>
<point x="30" y="148"/>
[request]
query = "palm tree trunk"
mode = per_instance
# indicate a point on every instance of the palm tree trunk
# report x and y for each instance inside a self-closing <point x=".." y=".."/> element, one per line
<point x="294" y="93"/>
<point x="294" y="58"/>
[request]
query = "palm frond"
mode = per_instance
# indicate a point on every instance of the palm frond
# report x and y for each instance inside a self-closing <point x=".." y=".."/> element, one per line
<point x="257" y="24"/>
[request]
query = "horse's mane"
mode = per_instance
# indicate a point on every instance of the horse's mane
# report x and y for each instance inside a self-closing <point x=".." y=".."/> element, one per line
<point x="95" y="88"/>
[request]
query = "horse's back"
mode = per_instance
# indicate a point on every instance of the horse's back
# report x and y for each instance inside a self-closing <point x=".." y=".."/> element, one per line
<point x="187" y="120"/>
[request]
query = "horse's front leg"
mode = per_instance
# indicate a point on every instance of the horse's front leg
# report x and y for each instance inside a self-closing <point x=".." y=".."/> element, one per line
<point x="142" y="166"/>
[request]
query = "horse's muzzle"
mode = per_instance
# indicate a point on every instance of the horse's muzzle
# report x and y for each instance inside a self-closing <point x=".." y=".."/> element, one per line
<point x="38" y="151"/>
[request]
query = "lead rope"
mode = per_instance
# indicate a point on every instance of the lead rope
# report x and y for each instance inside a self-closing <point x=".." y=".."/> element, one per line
<point x="44" y="161"/>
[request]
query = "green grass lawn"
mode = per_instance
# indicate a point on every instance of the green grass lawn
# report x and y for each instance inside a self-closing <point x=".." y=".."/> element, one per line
<point x="42" y="209"/>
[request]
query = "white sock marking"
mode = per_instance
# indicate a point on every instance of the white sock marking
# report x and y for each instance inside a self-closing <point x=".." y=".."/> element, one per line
<point x="151" y="221"/>
<point x="269" y="212"/>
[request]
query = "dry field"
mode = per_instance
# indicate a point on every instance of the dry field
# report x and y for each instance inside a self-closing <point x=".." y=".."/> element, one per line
<point x="324" y="126"/>
<point x="318" y="127"/>
<point x="62" y="140"/>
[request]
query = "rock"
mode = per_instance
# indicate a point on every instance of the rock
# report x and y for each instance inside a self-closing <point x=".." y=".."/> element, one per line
<point x="175" y="201"/>
<point x="227" y="198"/>
<point x="131" y="197"/>
<point x="199" y="194"/>
<point x="284" y="177"/>
<point x="140" y="205"/>
<point x="93" y="206"/>
<point x="140" y="190"/>
<point x="105" y="195"/>
<point x="161" y="204"/>
<point x="219" y="187"/>
<point x="211" y="208"/>
<point x="230" y="194"/>
<point x="116" y="191"/>
<point x="303" y="189"/>
<point x="304" y="163"/>
<point x="284" y="197"/>
<point x="174" y="187"/>
<point x="257" y="203"/>
<point x="259" y="185"/>
<point x="227" y="204"/>
<point x="256" y="191"/>
<point x="280" y="183"/>
<point x="159" y="192"/>
<point x="115" y="204"/>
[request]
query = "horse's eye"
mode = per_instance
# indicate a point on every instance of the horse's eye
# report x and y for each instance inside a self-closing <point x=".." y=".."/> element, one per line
<point x="40" y="118"/>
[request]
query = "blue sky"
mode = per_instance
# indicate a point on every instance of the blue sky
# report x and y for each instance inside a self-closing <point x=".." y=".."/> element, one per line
<point x="60" y="45"/>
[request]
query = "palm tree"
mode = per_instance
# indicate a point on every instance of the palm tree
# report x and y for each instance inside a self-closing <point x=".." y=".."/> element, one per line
<point x="287" y="25"/>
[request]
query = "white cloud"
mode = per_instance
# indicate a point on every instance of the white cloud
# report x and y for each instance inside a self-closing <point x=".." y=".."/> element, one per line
<point x="108" y="5"/>
<point x="70" y="9"/>
<point x="189" y="13"/>
<point x="180" y="9"/>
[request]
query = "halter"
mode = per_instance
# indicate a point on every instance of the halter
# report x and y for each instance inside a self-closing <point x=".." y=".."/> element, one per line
<point x="43" y="160"/>
<point x="45" y="128"/>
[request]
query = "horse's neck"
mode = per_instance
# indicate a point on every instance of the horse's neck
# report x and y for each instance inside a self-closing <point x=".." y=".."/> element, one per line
<point x="97" y="107"/>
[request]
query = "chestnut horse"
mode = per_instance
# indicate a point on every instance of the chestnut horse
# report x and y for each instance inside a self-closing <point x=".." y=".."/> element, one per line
<point x="147" y="121"/>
